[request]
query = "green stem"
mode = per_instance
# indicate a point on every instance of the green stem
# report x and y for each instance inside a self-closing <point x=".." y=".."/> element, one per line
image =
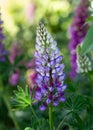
<point x="10" y="111"/>
<point x="34" y="114"/>
<point x="61" y="123"/>
<point x="50" y="117"/>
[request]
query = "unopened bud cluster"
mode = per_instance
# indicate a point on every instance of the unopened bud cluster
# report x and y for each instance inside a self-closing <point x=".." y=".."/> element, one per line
<point x="84" y="64"/>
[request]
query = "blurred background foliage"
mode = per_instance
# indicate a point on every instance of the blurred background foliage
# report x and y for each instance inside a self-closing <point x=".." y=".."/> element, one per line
<point x="22" y="16"/>
<point x="20" y="21"/>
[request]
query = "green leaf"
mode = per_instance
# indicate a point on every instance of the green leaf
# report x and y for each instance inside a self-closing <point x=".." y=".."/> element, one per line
<point x="90" y="19"/>
<point x="22" y="98"/>
<point x="76" y="104"/>
<point x="88" y="42"/>
<point x="79" y="120"/>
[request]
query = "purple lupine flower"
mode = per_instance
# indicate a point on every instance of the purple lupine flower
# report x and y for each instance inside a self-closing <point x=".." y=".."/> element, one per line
<point x="14" y="79"/>
<point x="77" y="32"/>
<point x="15" y="51"/>
<point x="50" y="76"/>
<point x="2" y="48"/>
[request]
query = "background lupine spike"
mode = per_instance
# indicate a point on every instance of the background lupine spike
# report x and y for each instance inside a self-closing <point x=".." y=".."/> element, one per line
<point x="84" y="64"/>
<point x="15" y="51"/>
<point x="50" y="76"/>
<point x="14" y="78"/>
<point x="77" y="32"/>
<point x="2" y="48"/>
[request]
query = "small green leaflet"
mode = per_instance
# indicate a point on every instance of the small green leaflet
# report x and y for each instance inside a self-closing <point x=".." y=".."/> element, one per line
<point x="88" y="42"/>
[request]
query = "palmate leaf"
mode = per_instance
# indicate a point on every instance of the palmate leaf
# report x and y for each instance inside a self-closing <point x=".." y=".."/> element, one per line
<point x="76" y="104"/>
<point x="88" y="42"/>
<point x="22" y="98"/>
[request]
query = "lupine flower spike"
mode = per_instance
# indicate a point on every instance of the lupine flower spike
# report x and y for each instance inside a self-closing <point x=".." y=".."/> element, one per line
<point x="14" y="78"/>
<point x="78" y="30"/>
<point x="15" y="51"/>
<point x="2" y="48"/>
<point x="84" y="64"/>
<point x="50" y="74"/>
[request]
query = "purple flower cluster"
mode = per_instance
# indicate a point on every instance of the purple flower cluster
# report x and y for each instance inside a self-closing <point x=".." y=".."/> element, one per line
<point x="2" y="48"/>
<point x="50" y="75"/>
<point x="77" y="32"/>
<point x="14" y="78"/>
<point x="15" y="51"/>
